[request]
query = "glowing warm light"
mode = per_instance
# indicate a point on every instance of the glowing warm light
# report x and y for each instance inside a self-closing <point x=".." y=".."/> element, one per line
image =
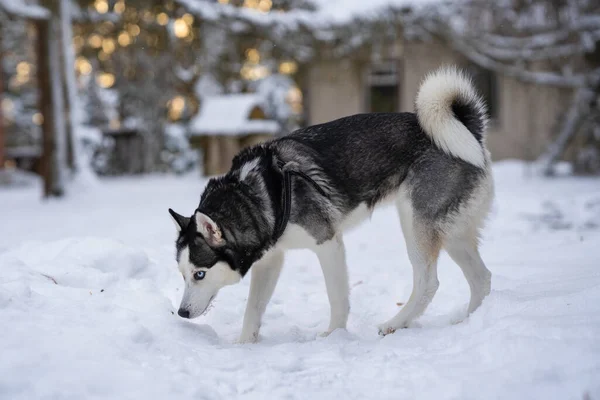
<point x="162" y="19"/>
<point x="23" y="73"/>
<point x="119" y="7"/>
<point x="105" y="80"/>
<point x="188" y="18"/>
<point x="254" y="72"/>
<point x="83" y="65"/>
<point x="37" y="118"/>
<point x="108" y="46"/>
<point x="102" y="56"/>
<point x="133" y="30"/>
<point x="253" y="55"/>
<point x="288" y="67"/>
<point x="95" y="41"/>
<point x="294" y="99"/>
<point x="23" y="68"/>
<point x="251" y="3"/>
<point x="101" y="6"/>
<point x="224" y="1"/>
<point x="124" y="39"/>
<point x="176" y="107"/>
<point x="265" y="5"/>
<point x="181" y="28"/>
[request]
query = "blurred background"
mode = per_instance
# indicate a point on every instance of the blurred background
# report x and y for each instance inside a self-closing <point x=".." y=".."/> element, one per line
<point x="117" y="87"/>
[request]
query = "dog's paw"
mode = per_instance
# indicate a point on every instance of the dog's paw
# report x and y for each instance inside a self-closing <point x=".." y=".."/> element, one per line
<point x="247" y="338"/>
<point x="385" y="329"/>
<point x="330" y="331"/>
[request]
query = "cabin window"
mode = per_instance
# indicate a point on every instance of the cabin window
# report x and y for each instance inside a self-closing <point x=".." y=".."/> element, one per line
<point x="486" y="82"/>
<point x="383" y="90"/>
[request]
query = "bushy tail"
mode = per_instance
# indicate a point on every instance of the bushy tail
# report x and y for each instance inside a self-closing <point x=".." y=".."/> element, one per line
<point x="453" y="115"/>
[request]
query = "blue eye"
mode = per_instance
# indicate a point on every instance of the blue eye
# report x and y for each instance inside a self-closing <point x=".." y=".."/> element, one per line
<point x="199" y="275"/>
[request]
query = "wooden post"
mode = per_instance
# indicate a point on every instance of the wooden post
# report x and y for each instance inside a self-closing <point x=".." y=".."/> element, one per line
<point x="45" y="105"/>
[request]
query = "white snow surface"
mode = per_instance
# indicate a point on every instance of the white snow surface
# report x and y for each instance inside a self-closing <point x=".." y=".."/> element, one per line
<point x="229" y="114"/>
<point x="342" y="11"/>
<point x="89" y="290"/>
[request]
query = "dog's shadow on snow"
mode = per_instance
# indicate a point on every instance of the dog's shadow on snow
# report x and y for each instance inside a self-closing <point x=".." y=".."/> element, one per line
<point x="194" y="330"/>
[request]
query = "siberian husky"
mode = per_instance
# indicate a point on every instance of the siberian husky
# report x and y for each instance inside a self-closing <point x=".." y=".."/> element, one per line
<point x="305" y="189"/>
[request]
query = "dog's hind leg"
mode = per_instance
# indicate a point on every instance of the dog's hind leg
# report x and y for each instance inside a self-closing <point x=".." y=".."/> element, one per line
<point x="423" y="244"/>
<point x="265" y="274"/>
<point x="332" y="256"/>
<point x="463" y="250"/>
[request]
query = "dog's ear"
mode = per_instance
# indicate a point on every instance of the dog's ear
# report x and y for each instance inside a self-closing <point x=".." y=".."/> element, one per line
<point x="209" y="230"/>
<point x="180" y="221"/>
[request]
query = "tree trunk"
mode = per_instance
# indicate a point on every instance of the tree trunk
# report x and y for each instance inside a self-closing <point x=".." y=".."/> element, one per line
<point x="70" y="89"/>
<point x="52" y="104"/>
<point x="59" y="162"/>
<point x="571" y="122"/>
<point x="2" y="138"/>
<point x="48" y="146"/>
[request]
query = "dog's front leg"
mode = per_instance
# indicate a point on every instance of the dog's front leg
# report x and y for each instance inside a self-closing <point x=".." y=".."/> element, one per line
<point x="265" y="274"/>
<point x="332" y="256"/>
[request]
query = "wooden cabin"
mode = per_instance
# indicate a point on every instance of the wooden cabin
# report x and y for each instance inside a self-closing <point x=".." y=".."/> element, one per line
<point x="226" y="124"/>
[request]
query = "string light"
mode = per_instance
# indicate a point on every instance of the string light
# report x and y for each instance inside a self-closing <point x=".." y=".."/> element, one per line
<point x="101" y="6"/>
<point x="83" y="65"/>
<point x="105" y="80"/>
<point x="294" y="99"/>
<point x="162" y="19"/>
<point x="188" y="18"/>
<point x="133" y="30"/>
<point x="37" y="118"/>
<point x="254" y="72"/>
<point x="119" y="7"/>
<point x="176" y="106"/>
<point x="95" y="41"/>
<point x="253" y="55"/>
<point x="288" y="67"/>
<point x="224" y="1"/>
<point x="108" y="46"/>
<point x="181" y="28"/>
<point x="265" y="5"/>
<point x="124" y="39"/>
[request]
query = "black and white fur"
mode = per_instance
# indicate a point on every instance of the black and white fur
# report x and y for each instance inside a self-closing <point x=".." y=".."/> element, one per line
<point x="433" y="164"/>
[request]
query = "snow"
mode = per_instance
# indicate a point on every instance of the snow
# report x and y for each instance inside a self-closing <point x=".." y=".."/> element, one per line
<point x="229" y="115"/>
<point x="24" y="9"/>
<point x="89" y="291"/>
<point x="326" y="13"/>
<point x="342" y="11"/>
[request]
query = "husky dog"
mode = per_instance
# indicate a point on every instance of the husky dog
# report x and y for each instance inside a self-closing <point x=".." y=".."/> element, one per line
<point x="305" y="189"/>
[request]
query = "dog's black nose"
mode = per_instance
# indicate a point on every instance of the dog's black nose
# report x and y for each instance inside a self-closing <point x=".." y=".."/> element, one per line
<point x="183" y="313"/>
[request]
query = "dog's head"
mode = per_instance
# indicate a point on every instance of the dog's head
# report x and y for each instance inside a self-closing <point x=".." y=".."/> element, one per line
<point x="204" y="261"/>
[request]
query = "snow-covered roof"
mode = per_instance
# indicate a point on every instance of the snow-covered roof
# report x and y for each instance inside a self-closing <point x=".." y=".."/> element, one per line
<point x="327" y="12"/>
<point x="230" y="115"/>
<point x="24" y="9"/>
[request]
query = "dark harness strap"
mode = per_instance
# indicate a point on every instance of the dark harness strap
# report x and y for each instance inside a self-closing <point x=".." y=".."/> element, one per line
<point x="286" y="196"/>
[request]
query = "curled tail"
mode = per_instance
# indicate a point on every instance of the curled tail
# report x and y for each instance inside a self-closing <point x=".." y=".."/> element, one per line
<point x="453" y="115"/>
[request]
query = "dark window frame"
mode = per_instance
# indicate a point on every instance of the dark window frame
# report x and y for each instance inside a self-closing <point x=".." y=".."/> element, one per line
<point x="487" y="85"/>
<point x="383" y="80"/>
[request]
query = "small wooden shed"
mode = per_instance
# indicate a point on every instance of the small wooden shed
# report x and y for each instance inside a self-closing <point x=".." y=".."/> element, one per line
<point x="226" y="124"/>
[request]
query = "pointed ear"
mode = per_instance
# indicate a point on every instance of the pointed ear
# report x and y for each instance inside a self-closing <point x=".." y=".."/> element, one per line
<point x="180" y="221"/>
<point x="209" y="230"/>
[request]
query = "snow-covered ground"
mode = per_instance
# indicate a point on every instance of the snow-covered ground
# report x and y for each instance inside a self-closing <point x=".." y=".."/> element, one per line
<point x="89" y="291"/>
